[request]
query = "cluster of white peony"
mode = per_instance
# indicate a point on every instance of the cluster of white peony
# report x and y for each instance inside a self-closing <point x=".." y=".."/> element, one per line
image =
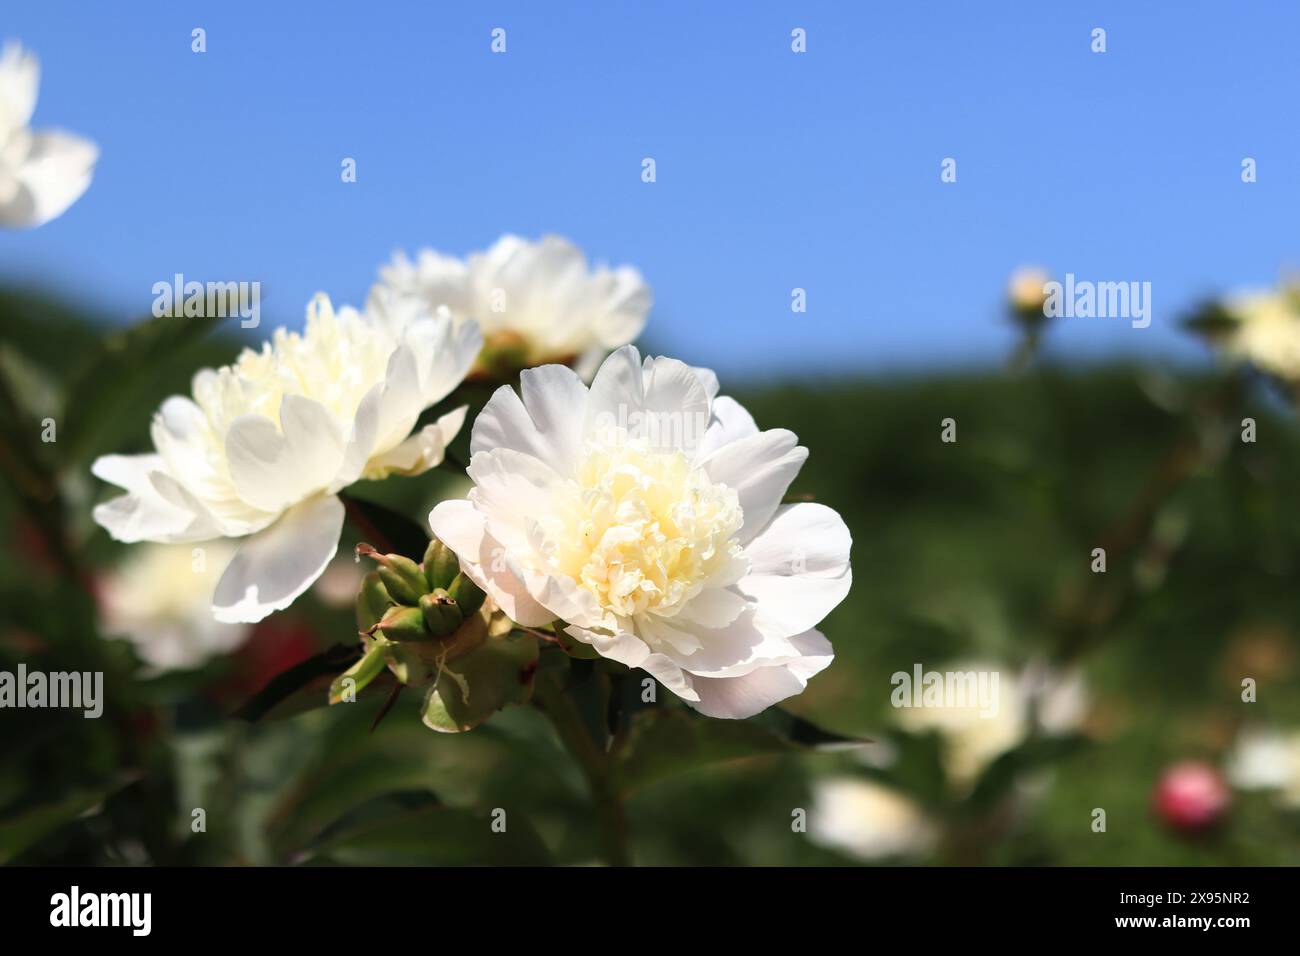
<point x="44" y="172"/>
<point x="642" y="516"/>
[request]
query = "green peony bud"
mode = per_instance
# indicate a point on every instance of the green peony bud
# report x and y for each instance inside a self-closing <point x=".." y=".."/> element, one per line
<point x="441" y="613"/>
<point x="468" y="595"/>
<point x="401" y="576"/>
<point x="440" y="565"/>
<point x="372" y="601"/>
<point x="403" y="624"/>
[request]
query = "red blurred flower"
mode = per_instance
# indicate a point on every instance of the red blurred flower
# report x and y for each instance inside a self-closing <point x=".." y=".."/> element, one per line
<point x="1191" y="797"/>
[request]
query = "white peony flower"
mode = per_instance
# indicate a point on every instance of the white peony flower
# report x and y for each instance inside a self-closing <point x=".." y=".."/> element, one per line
<point x="265" y="444"/>
<point x="160" y="599"/>
<point x="974" y="738"/>
<point x="41" y="173"/>
<point x="1266" y="759"/>
<point x="868" y="820"/>
<point x="536" y="302"/>
<point x="1267" y="333"/>
<point x="645" y="513"/>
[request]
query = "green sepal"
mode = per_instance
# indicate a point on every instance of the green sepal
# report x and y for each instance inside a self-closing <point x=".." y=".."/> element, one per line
<point x="474" y="686"/>
<point x="371" y="665"/>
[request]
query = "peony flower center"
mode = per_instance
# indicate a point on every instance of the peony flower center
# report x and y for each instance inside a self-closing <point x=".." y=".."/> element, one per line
<point x="644" y="531"/>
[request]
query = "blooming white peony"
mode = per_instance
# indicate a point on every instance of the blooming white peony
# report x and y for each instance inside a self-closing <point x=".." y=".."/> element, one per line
<point x="265" y="444"/>
<point x="41" y="173"/>
<point x="1267" y="333"/>
<point x="536" y="302"/>
<point x="160" y="599"/>
<point x="868" y="820"/>
<point x="645" y="513"/>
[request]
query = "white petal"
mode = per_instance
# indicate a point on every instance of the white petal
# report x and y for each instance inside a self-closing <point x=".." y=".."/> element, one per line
<point x="617" y="392"/>
<point x="760" y="469"/>
<point x="625" y="648"/>
<point x="506" y="423"/>
<point x="799" y="567"/>
<point x="730" y="423"/>
<point x="709" y="379"/>
<point x="20" y="76"/>
<point x="401" y="402"/>
<point x="444" y="351"/>
<point x="272" y="469"/>
<point x="623" y="300"/>
<point x="513" y="490"/>
<point x="422" y="451"/>
<point x="361" y="441"/>
<point x="274" y="566"/>
<point x="735" y="649"/>
<point x="145" y="514"/>
<point x="676" y="410"/>
<point x="714" y="607"/>
<point x="556" y="401"/>
<point x="57" y="170"/>
<point x="741" y="697"/>
<point x="670" y="675"/>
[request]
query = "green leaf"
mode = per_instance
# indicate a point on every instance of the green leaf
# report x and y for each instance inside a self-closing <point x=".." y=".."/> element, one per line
<point x="805" y="733"/>
<point x="19" y="832"/>
<point x="663" y="742"/>
<point x="477" y="684"/>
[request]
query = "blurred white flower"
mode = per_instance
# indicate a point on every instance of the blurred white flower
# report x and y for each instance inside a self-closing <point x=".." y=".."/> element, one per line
<point x="974" y="738"/>
<point x="159" y="597"/>
<point x="867" y="820"/>
<point x="536" y="302"/>
<point x="1267" y="331"/>
<point x="1267" y="759"/>
<point x="44" y="172"/>
<point x="1026" y="289"/>
<point x="646" y="514"/>
<point x="265" y="444"/>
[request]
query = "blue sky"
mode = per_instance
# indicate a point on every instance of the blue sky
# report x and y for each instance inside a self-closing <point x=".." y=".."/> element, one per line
<point x="775" y="169"/>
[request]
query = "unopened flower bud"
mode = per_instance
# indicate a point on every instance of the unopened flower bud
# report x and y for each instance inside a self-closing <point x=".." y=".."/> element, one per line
<point x="373" y="601"/>
<point x="440" y="565"/>
<point x="441" y="613"/>
<point x="403" y="624"/>
<point x="401" y="576"/>
<point x="467" y="594"/>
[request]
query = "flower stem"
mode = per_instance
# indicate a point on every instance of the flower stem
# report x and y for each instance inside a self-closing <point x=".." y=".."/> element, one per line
<point x="551" y="699"/>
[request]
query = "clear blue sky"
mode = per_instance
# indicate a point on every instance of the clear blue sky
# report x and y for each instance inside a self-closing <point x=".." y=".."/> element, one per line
<point x="775" y="170"/>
